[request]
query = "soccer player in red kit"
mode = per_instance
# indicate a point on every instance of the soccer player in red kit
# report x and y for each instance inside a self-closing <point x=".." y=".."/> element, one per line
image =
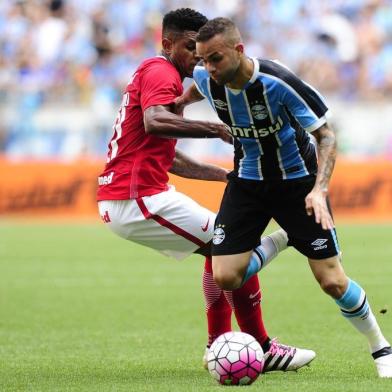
<point x="136" y="202"/>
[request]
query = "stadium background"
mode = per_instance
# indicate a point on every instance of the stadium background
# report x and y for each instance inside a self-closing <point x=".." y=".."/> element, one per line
<point x="82" y="310"/>
<point x="63" y="65"/>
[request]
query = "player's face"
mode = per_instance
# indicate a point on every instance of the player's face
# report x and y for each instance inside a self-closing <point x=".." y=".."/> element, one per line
<point x="183" y="53"/>
<point x="221" y="59"/>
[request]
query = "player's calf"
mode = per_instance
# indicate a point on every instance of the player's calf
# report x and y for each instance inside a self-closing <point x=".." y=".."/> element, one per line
<point x="229" y="270"/>
<point x="228" y="280"/>
<point x="232" y="271"/>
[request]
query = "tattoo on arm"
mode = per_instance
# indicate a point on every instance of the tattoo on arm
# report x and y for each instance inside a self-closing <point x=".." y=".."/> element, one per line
<point x="326" y="144"/>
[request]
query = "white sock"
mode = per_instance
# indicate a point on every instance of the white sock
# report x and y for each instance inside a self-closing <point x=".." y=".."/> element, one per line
<point x="370" y="328"/>
<point x="271" y="245"/>
<point x="356" y="309"/>
<point x="263" y="254"/>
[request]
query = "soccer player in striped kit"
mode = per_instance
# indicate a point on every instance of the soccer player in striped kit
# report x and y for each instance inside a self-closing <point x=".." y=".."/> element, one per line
<point x="136" y="202"/>
<point x="278" y="172"/>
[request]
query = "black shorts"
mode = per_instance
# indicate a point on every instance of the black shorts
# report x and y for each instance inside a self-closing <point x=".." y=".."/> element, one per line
<point x="248" y="206"/>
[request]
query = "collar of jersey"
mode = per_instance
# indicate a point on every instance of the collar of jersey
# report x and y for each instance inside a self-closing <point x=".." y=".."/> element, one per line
<point x="255" y="71"/>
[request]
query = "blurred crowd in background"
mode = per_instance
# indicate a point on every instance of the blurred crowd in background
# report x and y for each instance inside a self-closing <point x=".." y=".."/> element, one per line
<point x="64" y="63"/>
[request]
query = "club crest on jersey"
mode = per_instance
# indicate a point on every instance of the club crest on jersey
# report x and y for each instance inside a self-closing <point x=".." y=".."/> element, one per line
<point x="219" y="235"/>
<point x="259" y="112"/>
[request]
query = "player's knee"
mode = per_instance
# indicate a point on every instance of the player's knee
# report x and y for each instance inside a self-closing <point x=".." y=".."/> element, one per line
<point x="227" y="280"/>
<point x="333" y="286"/>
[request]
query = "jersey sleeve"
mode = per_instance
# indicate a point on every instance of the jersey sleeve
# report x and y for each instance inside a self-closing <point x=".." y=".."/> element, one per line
<point x="159" y="85"/>
<point x="303" y="101"/>
<point x="200" y="77"/>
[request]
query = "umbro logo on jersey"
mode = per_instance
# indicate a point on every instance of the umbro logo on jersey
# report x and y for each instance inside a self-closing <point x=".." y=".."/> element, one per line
<point x="219" y="104"/>
<point x="319" y="243"/>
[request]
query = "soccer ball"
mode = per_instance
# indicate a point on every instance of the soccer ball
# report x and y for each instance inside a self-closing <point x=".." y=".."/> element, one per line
<point x="235" y="358"/>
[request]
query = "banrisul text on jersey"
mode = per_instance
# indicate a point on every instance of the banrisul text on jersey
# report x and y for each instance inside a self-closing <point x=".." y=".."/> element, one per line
<point x="269" y="119"/>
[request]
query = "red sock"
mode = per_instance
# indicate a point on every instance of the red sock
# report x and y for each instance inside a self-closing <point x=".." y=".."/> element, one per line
<point x="218" y="310"/>
<point x="245" y="302"/>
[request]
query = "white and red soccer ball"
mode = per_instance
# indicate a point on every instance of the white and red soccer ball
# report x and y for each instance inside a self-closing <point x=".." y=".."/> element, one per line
<point x="235" y="358"/>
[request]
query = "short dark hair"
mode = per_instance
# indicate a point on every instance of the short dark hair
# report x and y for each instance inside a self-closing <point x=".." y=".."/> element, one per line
<point x="183" y="19"/>
<point x="213" y="27"/>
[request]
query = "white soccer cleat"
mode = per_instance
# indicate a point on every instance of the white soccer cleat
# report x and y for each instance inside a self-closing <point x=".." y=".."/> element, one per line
<point x="205" y="359"/>
<point x="383" y="361"/>
<point x="286" y="358"/>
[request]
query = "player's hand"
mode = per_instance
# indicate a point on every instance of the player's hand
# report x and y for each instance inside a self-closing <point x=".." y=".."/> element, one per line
<point x="316" y="203"/>
<point x="225" y="174"/>
<point x="223" y="132"/>
<point x="178" y="107"/>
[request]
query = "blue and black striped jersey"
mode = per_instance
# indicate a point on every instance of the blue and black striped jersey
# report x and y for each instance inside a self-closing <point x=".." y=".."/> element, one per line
<point x="269" y="119"/>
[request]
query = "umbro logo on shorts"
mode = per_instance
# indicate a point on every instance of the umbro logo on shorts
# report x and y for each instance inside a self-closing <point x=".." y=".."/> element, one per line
<point x="319" y="244"/>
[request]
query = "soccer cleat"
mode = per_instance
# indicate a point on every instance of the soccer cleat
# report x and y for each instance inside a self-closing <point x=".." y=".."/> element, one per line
<point x="286" y="358"/>
<point x="205" y="360"/>
<point x="383" y="361"/>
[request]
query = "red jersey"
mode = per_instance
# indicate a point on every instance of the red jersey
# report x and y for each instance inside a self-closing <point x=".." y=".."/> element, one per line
<point x="137" y="163"/>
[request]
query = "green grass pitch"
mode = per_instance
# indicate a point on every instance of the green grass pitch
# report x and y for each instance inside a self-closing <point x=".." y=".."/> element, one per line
<point x="83" y="310"/>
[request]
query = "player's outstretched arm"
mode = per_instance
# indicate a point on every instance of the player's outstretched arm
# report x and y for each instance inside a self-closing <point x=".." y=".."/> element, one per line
<point x="316" y="200"/>
<point x="185" y="166"/>
<point x="191" y="95"/>
<point x="160" y="121"/>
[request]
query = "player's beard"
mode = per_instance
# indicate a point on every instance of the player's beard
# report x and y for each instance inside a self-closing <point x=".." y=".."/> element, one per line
<point x="185" y="69"/>
<point x="227" y="76"/>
